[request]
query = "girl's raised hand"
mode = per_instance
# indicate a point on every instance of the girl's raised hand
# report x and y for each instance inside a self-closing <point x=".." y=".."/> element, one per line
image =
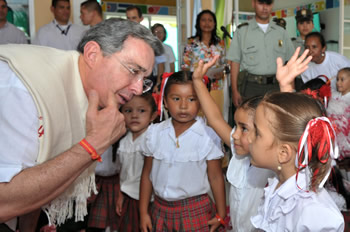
<point x="202" y="68"/>
<point x="286" y="74"/>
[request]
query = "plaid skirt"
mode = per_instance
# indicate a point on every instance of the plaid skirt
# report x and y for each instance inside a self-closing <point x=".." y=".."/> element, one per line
<point x="103" y="205"/>
<point x="191" y="214"/>
<point x="129" y="220"/>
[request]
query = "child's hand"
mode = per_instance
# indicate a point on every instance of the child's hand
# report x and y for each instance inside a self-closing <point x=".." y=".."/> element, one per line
<point x="145" y="223"/>
<point x="286" y="74"/>
<point x="214" y="224"/>
<point x="202" y="68"/>
<point x="119" y="206"/>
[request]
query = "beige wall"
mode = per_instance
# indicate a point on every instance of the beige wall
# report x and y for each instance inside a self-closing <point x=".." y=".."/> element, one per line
<point x="43" y="13"/>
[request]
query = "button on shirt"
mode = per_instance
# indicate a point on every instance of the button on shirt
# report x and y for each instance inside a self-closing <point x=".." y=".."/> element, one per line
<point x="289" y="208"/>
<point x="11" y="34"/>
<point x="257" y="51"/>
<point x="179" y="168"/>
<point x="66" y="37"/>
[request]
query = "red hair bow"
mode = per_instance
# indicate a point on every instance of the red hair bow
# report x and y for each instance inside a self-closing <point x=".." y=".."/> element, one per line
<point x="318" y="132"/>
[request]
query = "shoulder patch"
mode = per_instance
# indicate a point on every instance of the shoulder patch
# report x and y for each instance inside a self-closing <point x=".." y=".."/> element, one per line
<point x="242" y="25"/>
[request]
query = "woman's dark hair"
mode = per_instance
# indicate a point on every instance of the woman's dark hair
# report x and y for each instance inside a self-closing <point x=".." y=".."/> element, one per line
<point x="317" y="35"/>
<point x="214" y="37"/>
<point x="181" y="77"/>
<point x="313" y="84"/>
<point x="154" y="27"/>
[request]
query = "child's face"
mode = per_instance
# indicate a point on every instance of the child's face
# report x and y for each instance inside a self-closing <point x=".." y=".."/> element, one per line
<point x="182" y="103"/>
<point x="138" y="115"/>
<point x="343" y="82"/>
<point x="262" y="149"/>
<point x="244" y="130"/>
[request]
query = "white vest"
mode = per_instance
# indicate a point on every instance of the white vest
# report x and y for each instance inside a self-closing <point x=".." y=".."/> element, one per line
<point x="52" y="78"/>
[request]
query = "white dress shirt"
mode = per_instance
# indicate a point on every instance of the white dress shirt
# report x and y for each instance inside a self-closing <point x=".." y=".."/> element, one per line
<point x="19" y="122"/>
<point x="179" y="168"/>
<point x="65" y="37"/>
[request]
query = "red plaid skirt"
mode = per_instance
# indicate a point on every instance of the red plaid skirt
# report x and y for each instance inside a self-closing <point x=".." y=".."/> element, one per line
<point x="191" y="214"/>
<point x="103" y="205"/>
<point x="130" y="217"/>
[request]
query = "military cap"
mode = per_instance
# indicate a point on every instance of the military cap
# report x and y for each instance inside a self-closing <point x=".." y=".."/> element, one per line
<point x="304" y="15"/>
<point x="268" y="2"/>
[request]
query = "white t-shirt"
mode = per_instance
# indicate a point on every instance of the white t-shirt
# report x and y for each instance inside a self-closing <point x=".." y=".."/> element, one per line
<point x="332" y="63"/>
<point x="11" y="34"/>
<point x="246" y="189"/>
<point x="179" y="168"/>
<point x="292" y="209"/>
<point x="65" y="37"/>
<point x="131" y="161"/>
<point x="170" y="57"/>
<point x="19" y="143"/>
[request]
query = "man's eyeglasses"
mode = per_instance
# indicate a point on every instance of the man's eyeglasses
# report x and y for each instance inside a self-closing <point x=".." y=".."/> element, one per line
<point x="137" y="75"/>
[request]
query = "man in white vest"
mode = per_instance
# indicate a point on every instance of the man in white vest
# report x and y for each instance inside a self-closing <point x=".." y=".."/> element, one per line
<point x="60" y="111"/>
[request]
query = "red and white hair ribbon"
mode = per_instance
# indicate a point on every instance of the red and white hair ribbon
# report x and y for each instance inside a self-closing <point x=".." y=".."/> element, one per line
<point x="165" y="77"/>
<point x="318" y="131"/>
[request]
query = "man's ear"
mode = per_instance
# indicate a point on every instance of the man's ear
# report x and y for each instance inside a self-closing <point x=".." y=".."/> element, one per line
<point x="286" y="153"/>
<point x="52" y="9"/>
<point x="92" y="51"/>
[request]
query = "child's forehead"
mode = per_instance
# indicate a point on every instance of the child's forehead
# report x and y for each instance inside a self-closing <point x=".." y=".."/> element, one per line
<point x="344" y="73"/>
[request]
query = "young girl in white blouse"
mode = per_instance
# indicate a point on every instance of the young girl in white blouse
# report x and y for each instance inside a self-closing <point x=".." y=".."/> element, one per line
<point x="182" y="163"/>
<point x="296" y="141"/>
<point x="139" y="112"/>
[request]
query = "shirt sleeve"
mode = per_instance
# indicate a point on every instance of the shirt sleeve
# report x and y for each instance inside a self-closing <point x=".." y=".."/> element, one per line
<point x="215" y="145"/>
<point x="19" y="142"/>
<point x="171" y="57"/>
<point x="235" y="50"/>
<point x="318" y="218"/>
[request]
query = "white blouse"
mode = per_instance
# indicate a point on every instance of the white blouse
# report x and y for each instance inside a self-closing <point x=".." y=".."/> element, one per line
<point x="289" y="208"/>
<point x="179" y="168"/>
<point x="131" y="161"/>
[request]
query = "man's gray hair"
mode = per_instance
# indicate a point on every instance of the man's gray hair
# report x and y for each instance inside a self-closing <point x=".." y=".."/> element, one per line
<point x="111" y="34"/>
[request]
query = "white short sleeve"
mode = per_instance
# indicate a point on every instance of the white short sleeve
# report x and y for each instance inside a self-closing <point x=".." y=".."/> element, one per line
<point x="19" y="142"/>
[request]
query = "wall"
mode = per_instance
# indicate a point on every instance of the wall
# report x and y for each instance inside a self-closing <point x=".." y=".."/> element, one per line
<point x="43" y="13"/>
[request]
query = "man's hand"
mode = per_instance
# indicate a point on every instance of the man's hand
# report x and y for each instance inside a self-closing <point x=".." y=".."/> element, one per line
<point x="105" y="126"/>
<point x="286" y="74"/>
<point x="236" y="98"/>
